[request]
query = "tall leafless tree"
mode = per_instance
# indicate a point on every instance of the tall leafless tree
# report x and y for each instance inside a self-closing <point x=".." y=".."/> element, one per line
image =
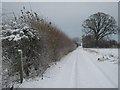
<point x="100" y="25"/>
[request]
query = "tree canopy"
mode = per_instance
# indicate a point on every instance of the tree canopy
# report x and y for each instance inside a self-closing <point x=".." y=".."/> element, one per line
<point x="100" y="25"/>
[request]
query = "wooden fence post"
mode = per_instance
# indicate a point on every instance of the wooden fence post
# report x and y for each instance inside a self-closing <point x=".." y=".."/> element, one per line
<point x="20" y="66"/>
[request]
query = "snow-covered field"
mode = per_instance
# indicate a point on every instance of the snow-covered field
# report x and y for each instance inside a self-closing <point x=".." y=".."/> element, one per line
<point x="82" y="68"/>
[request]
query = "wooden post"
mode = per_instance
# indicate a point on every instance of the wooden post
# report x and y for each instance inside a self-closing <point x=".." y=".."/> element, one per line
<point x="20" y="66"/>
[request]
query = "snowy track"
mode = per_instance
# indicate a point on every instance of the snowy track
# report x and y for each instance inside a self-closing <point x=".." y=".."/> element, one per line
<point x="79" y="69"/>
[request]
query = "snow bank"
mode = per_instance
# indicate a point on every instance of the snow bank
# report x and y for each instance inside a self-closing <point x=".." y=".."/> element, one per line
<point x="106" y="54"/>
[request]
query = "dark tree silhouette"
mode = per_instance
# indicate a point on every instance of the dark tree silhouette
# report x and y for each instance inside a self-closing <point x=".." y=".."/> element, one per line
<point x="99" y="25"/>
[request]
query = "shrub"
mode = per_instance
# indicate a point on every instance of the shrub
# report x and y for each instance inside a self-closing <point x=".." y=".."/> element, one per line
<point x="89" y="42"/>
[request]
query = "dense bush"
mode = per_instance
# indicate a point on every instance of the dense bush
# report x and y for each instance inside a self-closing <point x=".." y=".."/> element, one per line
<point x="89" y="42"/>
<point x="41" y="42"/>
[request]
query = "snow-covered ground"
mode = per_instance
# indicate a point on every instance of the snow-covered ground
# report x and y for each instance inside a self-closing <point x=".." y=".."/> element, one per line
<point x="80" y="69"/>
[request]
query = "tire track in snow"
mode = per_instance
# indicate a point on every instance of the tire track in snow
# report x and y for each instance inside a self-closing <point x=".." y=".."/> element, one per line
<point x="74" y="70"/>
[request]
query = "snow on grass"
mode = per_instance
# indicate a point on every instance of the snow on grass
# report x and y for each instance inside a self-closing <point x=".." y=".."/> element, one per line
<point x="105" y="54"/>
<point x="79" y="69"/>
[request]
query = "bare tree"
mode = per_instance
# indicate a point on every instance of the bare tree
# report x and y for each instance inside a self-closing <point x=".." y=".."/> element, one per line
<point x="100" y="25"/>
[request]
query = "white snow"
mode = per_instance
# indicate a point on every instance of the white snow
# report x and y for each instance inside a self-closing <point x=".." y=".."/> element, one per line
<point x="11" y="30"/>
<point x="19" y="34"/>
<point x="13" y="37"/>
<point x="79" y="69"/>
<point x="26" y="27"/>
<point x="19" y="50"/>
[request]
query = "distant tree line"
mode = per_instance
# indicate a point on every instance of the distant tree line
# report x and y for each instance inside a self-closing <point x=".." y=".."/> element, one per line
<point x="89" y="42"/>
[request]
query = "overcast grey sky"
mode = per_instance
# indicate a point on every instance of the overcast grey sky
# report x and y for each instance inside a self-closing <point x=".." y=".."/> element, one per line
<point x="67" y="16"/>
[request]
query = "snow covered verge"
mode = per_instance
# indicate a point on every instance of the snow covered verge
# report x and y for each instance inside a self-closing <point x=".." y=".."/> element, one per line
<point x="41" y="43"/>
<point x="110" y="55"/>
<point x="79" y="69"/>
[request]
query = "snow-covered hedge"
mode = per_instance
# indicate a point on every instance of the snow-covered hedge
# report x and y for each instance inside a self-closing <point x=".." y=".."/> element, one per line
<point x="41" y="42"/>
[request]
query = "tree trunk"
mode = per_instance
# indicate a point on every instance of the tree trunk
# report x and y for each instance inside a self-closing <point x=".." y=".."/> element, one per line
<point x="96" y="44"/>
<point x="96" y="41"/>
